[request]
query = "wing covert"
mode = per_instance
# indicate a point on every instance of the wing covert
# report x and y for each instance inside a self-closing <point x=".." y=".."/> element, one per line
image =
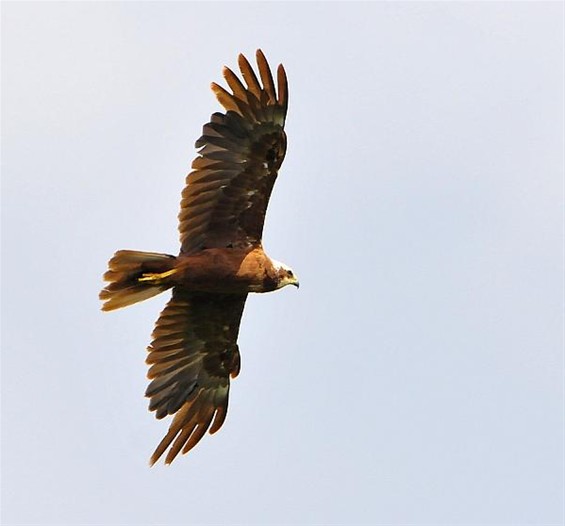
<point x="227" y="192"/>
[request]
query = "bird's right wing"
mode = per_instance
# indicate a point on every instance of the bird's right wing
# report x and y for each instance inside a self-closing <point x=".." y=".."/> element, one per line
<point x="227" y="193"/>
<point x="192" y="357"/>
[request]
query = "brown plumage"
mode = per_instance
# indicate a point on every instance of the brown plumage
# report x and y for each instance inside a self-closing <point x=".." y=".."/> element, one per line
<point x="194" y="352"/>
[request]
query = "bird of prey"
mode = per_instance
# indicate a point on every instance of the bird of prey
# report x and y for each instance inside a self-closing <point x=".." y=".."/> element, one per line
<point x="194" y="351"/>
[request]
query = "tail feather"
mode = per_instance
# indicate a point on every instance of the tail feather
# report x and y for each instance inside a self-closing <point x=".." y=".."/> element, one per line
<point x="127" y="277"/>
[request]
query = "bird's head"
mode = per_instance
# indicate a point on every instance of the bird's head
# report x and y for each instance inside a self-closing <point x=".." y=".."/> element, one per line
<point x="285" y="275"/>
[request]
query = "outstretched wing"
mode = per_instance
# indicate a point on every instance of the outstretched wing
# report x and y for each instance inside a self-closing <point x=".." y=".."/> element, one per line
<point x="192" y="356"/>
<point x="227" y="193"/>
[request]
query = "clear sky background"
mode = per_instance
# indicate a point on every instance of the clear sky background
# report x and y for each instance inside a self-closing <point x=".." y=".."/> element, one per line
<point x="417" y="375"/>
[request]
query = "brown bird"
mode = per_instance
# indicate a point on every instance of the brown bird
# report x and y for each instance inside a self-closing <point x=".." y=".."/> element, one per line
<point x="194" y="351"/>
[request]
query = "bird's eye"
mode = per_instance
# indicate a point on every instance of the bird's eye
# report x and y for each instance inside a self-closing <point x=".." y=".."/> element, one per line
<point x="290" y="273"/>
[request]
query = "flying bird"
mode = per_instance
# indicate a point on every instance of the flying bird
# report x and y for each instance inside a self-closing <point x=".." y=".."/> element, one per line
<point x="194" y="352"/>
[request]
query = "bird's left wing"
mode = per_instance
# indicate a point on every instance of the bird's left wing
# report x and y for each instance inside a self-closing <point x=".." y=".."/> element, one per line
<point x="192" y="357"/>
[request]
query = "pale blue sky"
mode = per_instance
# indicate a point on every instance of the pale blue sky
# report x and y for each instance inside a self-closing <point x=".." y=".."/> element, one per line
<point x="417" y="375"/>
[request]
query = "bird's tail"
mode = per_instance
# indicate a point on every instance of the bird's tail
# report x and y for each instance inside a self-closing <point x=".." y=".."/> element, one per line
<point x="135" y="276"/>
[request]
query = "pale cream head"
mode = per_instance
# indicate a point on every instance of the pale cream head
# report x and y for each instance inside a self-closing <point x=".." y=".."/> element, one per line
<point x="285" y="274"/>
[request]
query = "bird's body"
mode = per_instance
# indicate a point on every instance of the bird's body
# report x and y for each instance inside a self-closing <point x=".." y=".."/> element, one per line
<point x="236" y="271"/>
<point x="212" y="270"/>
<point x="194" y="350"/>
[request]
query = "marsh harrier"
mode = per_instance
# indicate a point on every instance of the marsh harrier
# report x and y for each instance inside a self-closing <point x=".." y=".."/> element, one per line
<point x="194" y="352"/>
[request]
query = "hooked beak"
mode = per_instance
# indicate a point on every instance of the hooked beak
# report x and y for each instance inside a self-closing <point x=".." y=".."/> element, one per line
<point x="295" y="281"/>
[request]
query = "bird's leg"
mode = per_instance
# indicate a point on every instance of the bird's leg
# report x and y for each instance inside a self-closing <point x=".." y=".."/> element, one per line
<point x="157" y="277"/>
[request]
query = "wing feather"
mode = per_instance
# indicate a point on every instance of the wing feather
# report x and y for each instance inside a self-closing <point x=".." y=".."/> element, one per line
<point x="225" y="98"/>
<point x="249" y="76"/>
<point x="235" y="85"/>
<point x="192" y="356"/>
<point x="266" y="77"/>
<point x="282" y="88"/>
